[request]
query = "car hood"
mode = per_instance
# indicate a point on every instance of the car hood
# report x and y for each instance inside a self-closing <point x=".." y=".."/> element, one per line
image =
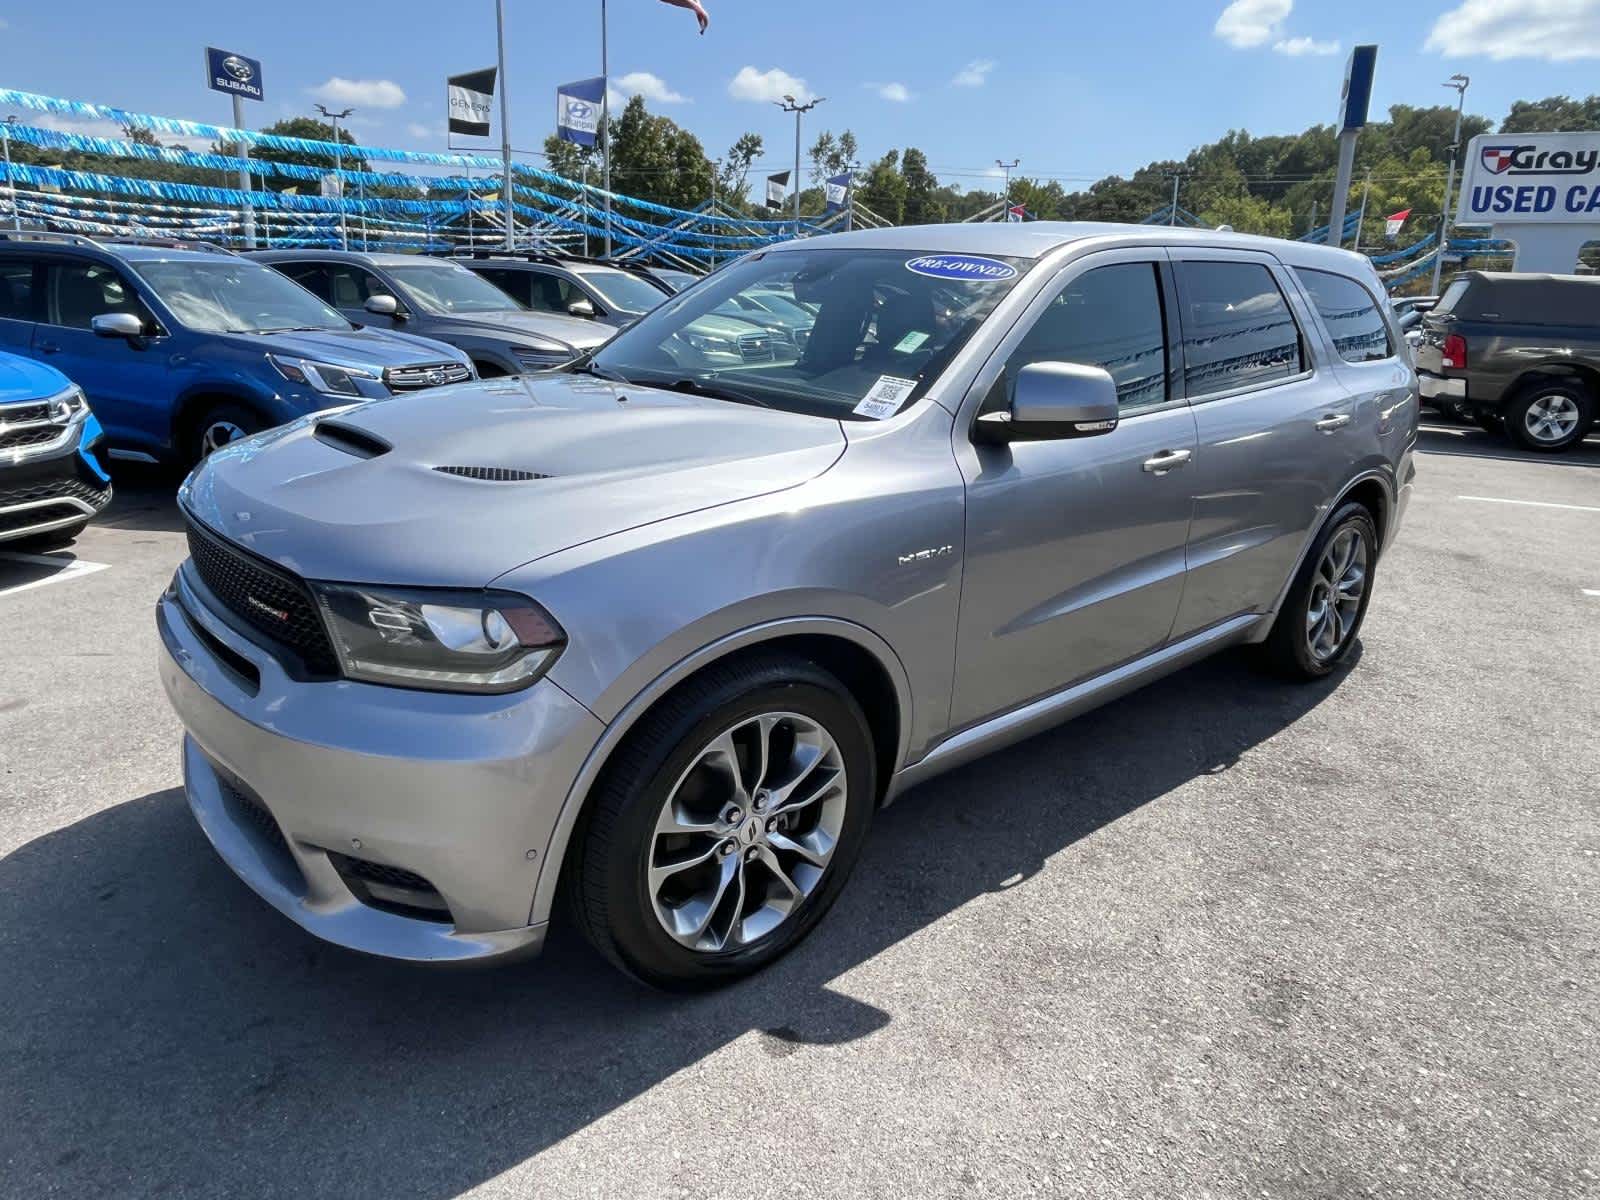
<point x="573" y="331"/>
<point x="610" y="457"/>
<point x="372" y="348"/>
<point x="23" y="379"/>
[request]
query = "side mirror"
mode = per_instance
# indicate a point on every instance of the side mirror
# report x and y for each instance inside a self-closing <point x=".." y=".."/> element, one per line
<point x="117" y="325"/>
<point x="381" y="305"/>
<point x="1053" y="400"/>
<point x="581" y="307"/>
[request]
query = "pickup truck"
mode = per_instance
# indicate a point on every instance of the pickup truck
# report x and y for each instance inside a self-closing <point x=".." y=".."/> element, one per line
<point x="1516" y="353"/>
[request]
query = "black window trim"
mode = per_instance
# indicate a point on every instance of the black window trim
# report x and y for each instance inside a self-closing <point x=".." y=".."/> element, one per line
<point x="1291" y="296"/>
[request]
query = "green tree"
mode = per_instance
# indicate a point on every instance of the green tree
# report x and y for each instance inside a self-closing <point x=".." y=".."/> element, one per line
<point x="733" y="184"/>
<point x="653" y="158"/>
<point x="883" y="191"/>
<point x="922" y="205"/>
<point x="1553" y="115"/>
<point x="831" y="155"/>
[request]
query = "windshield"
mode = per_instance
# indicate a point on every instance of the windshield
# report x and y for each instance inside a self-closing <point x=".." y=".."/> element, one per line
<point x="235" y="297"/>
<point x="624" y="293"/>
<point x="886" y="323"/>
<point x="446" y="290"/>
<point x="676" y="280"/>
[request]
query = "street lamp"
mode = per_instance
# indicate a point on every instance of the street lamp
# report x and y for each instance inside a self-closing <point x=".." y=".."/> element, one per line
<point x="1007" y="167"/>
<point x="1459" y="82"/>
<point x="790" y="104"/>
<point x="338" y="169"/>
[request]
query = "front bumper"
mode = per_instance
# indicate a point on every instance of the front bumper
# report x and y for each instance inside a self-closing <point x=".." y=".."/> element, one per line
<point x="293" y="782"/>
<point x="1437" y="387"/>
<point x="44" y="492"/>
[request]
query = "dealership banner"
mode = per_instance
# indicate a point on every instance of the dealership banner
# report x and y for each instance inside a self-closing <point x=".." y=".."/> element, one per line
<point x="777" y="186"/>
<point x="1531" y="179"/>
<point x="837" y="191"/>
<point x="469" y="99"/>
<point x="233" y="73"/>
<point x="578" y="110"/>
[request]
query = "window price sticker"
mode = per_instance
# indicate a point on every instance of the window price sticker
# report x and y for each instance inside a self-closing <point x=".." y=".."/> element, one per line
<point x="885" y="398"/>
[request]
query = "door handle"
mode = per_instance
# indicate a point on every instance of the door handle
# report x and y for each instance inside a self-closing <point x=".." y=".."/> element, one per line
<point x="1166" y="461"/>
<point x="1333" y="421"/>
<point x="49" y="348"/>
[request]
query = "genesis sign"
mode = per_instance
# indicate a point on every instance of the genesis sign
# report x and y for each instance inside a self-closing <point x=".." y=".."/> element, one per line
<point x="1537" y="178"/>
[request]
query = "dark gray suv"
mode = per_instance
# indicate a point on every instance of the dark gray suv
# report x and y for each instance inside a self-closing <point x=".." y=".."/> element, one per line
<point x="440" y="299"/>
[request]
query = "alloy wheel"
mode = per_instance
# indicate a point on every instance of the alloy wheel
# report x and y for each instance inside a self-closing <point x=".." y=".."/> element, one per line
<point x="1551" y="417"/>
<point x="747" y="832"/>
<point x="1336" y="591"/>
<point x="217" y="435"/>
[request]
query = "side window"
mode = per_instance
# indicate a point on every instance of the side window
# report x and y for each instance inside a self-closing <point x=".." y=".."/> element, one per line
<point x="1107" y="317"/>
<point x="311" y="276"/>
<point x="16" y="290"/>
<point x="512" y="283"/>
<point x="545" y="292"/>
<point x="350" y="287"/>
<point x="1351" y="314"/>
<point x="79" y="292"/>
<point x="1237" y="327"/>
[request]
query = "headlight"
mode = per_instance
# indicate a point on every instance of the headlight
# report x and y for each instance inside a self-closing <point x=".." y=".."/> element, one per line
<point x="327" y="378"/>
<point x="439" y="640"/>
<point x="708" y="343"/>
<point x="68" y="406"/>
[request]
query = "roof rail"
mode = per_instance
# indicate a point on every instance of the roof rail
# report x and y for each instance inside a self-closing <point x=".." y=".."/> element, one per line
<point x="554" y="259"/>
<point x="170" y="243"/>
<point x="46" y="235"/>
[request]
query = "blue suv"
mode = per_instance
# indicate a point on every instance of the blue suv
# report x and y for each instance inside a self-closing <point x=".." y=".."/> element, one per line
<point x="51" y="483"/>
<point x="182" y="347"/>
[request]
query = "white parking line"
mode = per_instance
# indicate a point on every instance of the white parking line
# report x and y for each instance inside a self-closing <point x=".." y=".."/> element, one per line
<point x="1533" y="503"/>
<point x="68" y="568"/>
<point x="1591" y="592"/>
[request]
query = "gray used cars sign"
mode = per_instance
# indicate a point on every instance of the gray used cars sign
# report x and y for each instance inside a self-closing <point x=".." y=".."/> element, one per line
<point x="662" y="631"/>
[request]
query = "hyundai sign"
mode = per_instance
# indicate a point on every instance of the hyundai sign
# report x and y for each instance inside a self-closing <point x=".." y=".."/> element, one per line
<point x="578" y="110"/>
<point x="1531" y="178"/>
<point x="233" y="73"/>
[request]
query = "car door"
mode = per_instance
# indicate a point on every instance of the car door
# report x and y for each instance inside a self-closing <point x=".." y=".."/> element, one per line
<point x="128" y="381"/>
<point x="20" y="287"/>
<point x="518" y="284"/>
<point x="1268" y="412"/>
<point x="349" y="289"/>
<point x="1075" y="548"/>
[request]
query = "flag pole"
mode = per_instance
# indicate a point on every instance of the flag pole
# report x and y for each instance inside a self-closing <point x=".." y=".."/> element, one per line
<point x="507" y="201"/>
<point x="605" y="122"/>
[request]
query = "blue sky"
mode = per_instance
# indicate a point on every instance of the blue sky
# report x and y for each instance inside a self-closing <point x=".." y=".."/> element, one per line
<point x="1074" y="90"/>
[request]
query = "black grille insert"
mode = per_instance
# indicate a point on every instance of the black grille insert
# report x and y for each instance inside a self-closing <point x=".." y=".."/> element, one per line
<point x="266" y="598"/>
<point x="392" y="889"/>
<point x="492" y="474"/>
<point x="253" y="811"/>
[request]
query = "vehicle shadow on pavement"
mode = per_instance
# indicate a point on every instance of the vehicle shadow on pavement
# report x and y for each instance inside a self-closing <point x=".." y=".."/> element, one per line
<point x="165" y="1032"/>
<point x="1438" y="436"/>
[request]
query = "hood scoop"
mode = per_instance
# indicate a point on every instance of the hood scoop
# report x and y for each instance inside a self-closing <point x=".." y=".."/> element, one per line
<point x="492" y="474"/>
<point x="351" y="439"/>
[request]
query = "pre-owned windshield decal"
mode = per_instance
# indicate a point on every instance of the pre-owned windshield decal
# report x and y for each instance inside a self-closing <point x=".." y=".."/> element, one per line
<point x="962" y="266"/>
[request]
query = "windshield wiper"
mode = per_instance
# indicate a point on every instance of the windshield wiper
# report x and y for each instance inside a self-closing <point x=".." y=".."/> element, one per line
<point x="299" y="329"/>
<point x="587" y="367"/>
<point x="694" y="387"/>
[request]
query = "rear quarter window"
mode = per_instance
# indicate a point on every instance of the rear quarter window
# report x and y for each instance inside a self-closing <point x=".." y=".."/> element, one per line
<point x="1351" y="314"/>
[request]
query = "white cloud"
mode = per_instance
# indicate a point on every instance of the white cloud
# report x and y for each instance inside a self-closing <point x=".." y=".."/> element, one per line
<point x="1556" y="30"/>
<point x="643" y="83"/>
<point x="1296" y="46"/>
<point x="896" y="93"/>
<point x="773" y="85"/>
<point x="1245" y="24"/>
<point x="360" y="93"/>
<point x="975" y="73"/>
<point x="434" y="131"/>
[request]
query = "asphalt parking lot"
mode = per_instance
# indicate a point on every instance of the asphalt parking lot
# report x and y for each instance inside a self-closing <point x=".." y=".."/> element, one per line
<point x="1223" y="938"/>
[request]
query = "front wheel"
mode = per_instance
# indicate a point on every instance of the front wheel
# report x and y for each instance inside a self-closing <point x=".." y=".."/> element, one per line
<point x="727" y="826"/>
<point x="1322" y="614"/>
<point x="218" y="426"/>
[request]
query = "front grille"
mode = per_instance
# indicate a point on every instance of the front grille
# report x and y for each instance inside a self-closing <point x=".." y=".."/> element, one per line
<point x="255" y="813"/>
<point x="23" y="414"/>
<point x="268" y="599"/>
<point x="20" y="439"/>
<point x="410" y="379"/>
<point x="52" y="489"/>
<point x="392" y="889"/>
<point x="757" y="347"/>
<point x="492" y="474"/>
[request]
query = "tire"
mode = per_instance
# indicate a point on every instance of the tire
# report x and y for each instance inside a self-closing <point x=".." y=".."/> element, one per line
<point x="625" y="911"/>
<point x="1294" y="648"/>
<point x="206" y="432"/>
<point x="53" y="540"/>
<point x="1551" y="415"/>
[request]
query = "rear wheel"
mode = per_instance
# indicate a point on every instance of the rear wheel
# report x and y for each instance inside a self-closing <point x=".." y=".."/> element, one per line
<point x="727" y="826"/>
<point x="1322" y="614"/>
<point x="219" y="425"/>
<point x="1552" y="415"/>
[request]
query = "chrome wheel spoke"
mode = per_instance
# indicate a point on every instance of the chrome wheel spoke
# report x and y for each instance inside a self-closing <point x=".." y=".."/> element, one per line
<point x="746" y="833"/>
<point x="1336" y="592"/>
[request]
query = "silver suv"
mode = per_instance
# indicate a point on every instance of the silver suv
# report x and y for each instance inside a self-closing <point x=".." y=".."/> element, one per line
<point x="661" y="632"/>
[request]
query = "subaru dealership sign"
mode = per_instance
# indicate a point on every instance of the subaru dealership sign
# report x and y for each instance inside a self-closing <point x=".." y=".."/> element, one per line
<point x="233" y="73"/>
<point x="1524" y="178"/>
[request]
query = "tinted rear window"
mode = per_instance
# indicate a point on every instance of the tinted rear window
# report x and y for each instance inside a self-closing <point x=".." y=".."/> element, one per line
<point x="1350" y="313"/>
<point x="1237" y="327"/>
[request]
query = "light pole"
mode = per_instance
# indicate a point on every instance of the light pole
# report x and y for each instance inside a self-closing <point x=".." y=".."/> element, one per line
<point x="5" y="140"/>
<point x="1007" y="167"/>
<point x="790" y="104"/>
<point x="338" y="169"/>
<point x="1459" y="82"/>
<point x="605" y="125"/>
<point x="1177" y="179"/>
<point x="507" y="200"/>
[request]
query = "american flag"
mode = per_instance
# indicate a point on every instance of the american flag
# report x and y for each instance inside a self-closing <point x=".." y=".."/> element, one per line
<point x="694" y="6"/>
